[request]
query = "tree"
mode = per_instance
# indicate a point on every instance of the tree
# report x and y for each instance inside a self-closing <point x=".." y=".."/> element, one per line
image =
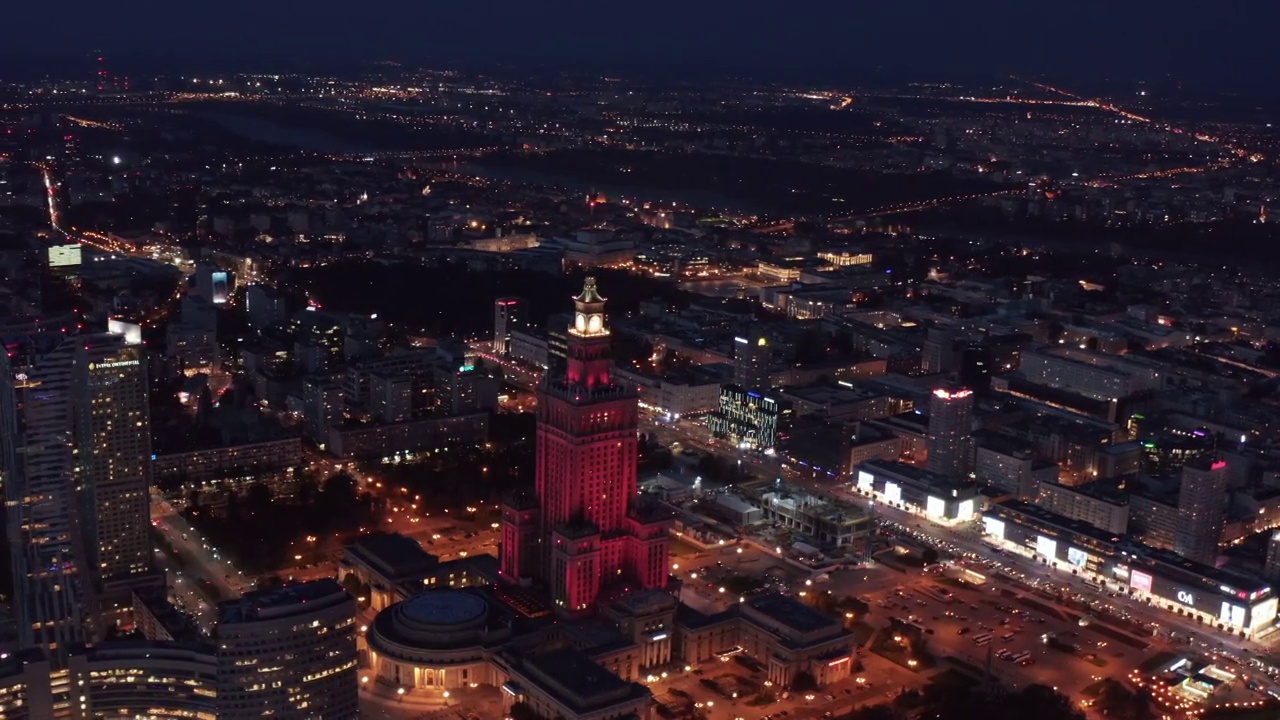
<point x="1119" y="702"/>
<point x="874" y="712"/>
<point x="258" y="499"/>
<point x="803" y="682"/>
<point x="337" y="494"/>
<point x="855" y="606"/>
<point x="522" y="711"/>
<point x="352" y="585"/>
<point x="306" y="492"/>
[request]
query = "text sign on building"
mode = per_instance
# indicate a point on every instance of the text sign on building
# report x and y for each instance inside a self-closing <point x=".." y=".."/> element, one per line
<point x="1139" y="580"/>
<point x="1186" y="598"/>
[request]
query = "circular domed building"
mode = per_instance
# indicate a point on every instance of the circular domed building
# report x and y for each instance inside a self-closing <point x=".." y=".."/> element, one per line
<point x="440" y="639"/>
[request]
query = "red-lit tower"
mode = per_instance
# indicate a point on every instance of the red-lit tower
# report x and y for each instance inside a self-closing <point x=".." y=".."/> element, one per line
<point x="586" y="527"/>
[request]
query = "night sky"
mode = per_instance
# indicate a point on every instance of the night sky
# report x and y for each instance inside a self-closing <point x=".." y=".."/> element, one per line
<point x="1196" y="40"/>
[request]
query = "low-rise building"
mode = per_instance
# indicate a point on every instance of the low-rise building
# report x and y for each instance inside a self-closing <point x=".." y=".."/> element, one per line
<point x="783" y="634"/>
<point x="191" y="469"/>
<point x="565" y="683"/>
<point x="918" y="490"/>
<point x="1011" y="465"/>
<point x="1103" y="504"/>
<point x="826" y="523"/>
<point x="843" y="401"/>
<point x="678" y="394"/>
<point x="1230" y="600"/>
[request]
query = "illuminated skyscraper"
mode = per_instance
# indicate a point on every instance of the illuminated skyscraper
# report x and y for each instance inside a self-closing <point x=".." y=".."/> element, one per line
<point x="75" y="453"/>
<point x="585" y="525"/>
<point x="1202" y="509"/>
<point x="950" y="425"/>
<point x="752" y="360"/>
<point x="112" y="430"/>
<point x="42" y="522"/>
<point x="509" y="313"/>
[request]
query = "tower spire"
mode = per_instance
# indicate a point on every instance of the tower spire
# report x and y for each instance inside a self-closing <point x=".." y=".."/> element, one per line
<point x="589" y="357"/>
<point x="589" y="292"/>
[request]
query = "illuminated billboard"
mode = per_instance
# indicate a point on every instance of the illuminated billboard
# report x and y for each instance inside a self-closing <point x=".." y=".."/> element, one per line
<point x="64" y="255"/>
<point x="1264" y="613"/>
<point x="1232" y="614"/>
<point x="132" y="333"/>
<point x="865" y="479"/>
<point x="1077" y="557"/>
<point x="966" y="510"/>
<point x="892" y="493"/>
<point x="218" y="279"/>
<point x="993" y="526"/>
<point x="1139" y="580"/>
<point x="1047" y="547"/>
<point x="935" y="507"/>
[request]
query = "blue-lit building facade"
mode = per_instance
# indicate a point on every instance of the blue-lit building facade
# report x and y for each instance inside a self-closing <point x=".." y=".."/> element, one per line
<point x="748" y="419"/>
<point x="1221" y="599"/>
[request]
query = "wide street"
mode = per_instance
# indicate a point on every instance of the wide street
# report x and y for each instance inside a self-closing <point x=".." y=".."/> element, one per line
<point x="202" y="560"/>
<point x="1163" y="628"/>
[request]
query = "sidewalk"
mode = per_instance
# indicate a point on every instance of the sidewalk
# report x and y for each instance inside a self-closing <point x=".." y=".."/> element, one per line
<point x="381" y="700"/>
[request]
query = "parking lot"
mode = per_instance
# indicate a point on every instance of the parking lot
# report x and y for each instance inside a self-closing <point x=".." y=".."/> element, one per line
<point x="987" y="625"/>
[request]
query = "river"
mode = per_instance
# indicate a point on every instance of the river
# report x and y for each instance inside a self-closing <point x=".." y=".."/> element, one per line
<point x="273" y="133"/>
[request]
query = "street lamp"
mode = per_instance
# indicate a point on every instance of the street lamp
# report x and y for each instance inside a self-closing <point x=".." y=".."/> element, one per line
<point x="446" y="698"/>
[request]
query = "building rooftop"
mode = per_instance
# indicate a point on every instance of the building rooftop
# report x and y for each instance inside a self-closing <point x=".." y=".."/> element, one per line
<point x="1043" y="517"/>
<point x="443" y="607"/>
<point x="791" y="613"/>
<point x="577" y="680"/>
<point x="398" y="555"/>
<point x="824" y="394"/>
<point x="268" y="604"/>
<point x="916" y="475"/>
<point x="1226" y="580"/>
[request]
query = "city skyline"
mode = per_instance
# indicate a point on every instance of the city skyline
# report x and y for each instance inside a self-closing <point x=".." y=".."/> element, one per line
<point x="695" y="362"/>
<point x="1152" y="41"/>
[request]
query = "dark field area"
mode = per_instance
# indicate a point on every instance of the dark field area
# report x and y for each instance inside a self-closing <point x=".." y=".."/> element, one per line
<point x="777" y="186"/>
<point x="450" y="300"/>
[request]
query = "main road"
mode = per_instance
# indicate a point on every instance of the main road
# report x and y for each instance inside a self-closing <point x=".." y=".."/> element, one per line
<point x="202" y="559"/>
<point x="965" y="539"/>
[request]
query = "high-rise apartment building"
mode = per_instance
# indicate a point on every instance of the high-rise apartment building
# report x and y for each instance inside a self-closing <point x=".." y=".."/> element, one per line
<point x="265" y="306"/>
<point x="940" y="353"/>
<point x="950" y="425"/>
<point x="509" y="314"/>
<point x="42" y="522"/>
<point x="464" y="388"/>
<point x="112" y="431"/>
<point x="213" y="284"/>
<point x="288" y="653"/>
<point x="1202" y="510"/>
<point x="586" y="525"/>
<point x="75" y="453"/>
<point x="752" y="360"/>
<point x="323" y="405"/>
<point x="1271" y="568"/>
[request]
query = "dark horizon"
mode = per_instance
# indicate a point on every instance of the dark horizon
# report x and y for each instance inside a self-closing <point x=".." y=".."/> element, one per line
<point x="1223" y="45"/>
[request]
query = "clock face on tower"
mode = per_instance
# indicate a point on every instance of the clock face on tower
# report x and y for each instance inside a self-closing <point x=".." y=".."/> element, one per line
<point x="595" y="324"/>
<point x="580" y="322"/>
